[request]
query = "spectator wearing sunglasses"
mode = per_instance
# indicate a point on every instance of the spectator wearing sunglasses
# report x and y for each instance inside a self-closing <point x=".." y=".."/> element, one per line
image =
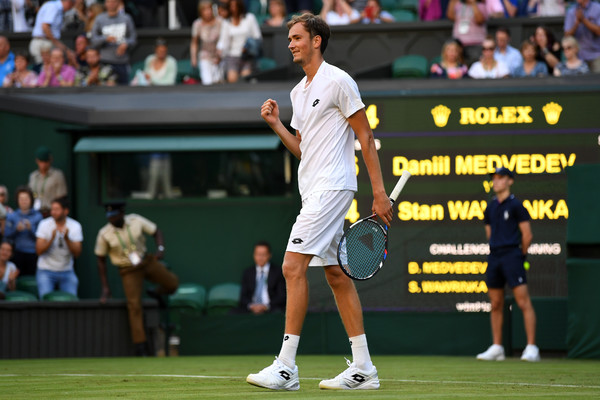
<point x="487" y="67"/>
<point x="573" y="65"/>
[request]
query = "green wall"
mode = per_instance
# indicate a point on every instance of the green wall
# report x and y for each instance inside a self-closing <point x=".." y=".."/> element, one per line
<point x="207" y="241"/>
<point x="20" y="136"/>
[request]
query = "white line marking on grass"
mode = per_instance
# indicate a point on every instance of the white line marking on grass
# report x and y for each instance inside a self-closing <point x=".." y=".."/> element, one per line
<point x="493" y="383"/>
<point x="443" y="382"/>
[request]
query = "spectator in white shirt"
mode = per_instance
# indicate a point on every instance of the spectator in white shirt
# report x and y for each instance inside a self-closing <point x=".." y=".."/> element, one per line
<point x="58" y="242"/>
<point x="487" y="67"/>
<point x="339" y="12"/>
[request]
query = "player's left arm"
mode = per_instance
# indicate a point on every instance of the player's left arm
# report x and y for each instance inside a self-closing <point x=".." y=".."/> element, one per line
<point x="381" y="202"/>
<point x="526" y="235"/>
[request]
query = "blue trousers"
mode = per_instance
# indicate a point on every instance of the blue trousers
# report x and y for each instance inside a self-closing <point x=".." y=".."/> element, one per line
<point x="65" y="280"/>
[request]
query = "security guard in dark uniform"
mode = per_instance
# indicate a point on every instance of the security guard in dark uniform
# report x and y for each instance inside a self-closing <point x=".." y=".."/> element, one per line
<point x="508" y="229"/>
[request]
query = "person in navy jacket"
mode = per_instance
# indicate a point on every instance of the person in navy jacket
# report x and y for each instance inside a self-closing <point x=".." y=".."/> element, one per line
<point x="508" y="229"/>
<point x="263" y="284"/>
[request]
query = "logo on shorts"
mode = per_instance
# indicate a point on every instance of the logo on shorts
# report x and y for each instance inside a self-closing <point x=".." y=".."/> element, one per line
<point x="286" y="337"/>
<point x="316" y="102"/>
<point x="297" y="241"/>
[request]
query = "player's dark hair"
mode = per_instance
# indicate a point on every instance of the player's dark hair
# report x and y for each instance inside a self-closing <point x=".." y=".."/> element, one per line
<point x="63" y="201"/>
<point x="263" y="243"/>
<point x="314" y="25"/>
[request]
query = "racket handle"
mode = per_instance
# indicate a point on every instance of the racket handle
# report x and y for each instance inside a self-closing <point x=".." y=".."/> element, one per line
<point x="399" y="186"/>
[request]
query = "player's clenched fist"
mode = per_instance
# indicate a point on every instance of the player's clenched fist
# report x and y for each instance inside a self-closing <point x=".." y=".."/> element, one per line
<point x="270" y="111"/>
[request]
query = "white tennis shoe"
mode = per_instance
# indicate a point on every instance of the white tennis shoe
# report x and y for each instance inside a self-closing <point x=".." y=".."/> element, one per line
<point x="276" y="376"/>
<point x="531" y="353"/>
<point x="353" y="378"/>
<point x="494" y="353"/>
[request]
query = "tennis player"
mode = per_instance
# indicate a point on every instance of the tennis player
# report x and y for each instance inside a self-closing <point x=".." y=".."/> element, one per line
<point x="327" y="113"/>
<point x="508" y="229"/>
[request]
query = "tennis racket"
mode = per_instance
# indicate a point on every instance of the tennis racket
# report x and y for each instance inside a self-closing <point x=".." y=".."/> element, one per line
<point x="363" y="248"/>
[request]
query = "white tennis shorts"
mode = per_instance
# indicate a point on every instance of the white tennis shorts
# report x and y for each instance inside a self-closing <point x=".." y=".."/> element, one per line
<point x="320" y="226"/>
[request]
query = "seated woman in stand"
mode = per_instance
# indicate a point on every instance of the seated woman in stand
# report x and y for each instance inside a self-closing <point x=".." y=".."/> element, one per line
<point x="530" y="66"/>
<point x="450" y="65"/>
<point x="573" y="65"/>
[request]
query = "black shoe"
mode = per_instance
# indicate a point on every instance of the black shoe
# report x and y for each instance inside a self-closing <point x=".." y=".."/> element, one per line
<point x="162" y="302"/>
<point x="141" y="350"/>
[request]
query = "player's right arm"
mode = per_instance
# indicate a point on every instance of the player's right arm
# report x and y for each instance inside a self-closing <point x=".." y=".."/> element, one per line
<point x="270" y="113"/>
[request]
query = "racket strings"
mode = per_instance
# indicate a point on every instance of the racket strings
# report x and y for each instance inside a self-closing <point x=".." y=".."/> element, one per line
<point x="363" y="249"/>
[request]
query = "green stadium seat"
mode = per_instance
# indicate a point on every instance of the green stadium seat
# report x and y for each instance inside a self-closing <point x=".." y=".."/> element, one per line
<point x="189" y="295"/>
<point x="134" y="68"/>
<point x="317" y="5"/>
<point x="404" y="15"/>
<point x="184" y="68"/>
<point x="389" y="5"/>
<point x="222" y="298"/>
<point x="266" y="63"/>
<point x="59" y="295"/>
<point x="410" y="66"/>
<point x="18" y="295"/>
<point x="256" y="8"/>
<point x="28" y="284"/>
<point x="411" y="5"/>
<point x="261" y="18"/>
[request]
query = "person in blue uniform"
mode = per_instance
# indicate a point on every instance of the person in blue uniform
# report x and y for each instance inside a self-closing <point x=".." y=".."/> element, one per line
<point x="508" y="229"/>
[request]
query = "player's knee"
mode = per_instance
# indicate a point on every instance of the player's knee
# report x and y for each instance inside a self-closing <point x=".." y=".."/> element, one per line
<point x="292" y="271"/>
<point x="525" y="304"/>
<point x="336" y="278"/>
<point x="497" y="304"/>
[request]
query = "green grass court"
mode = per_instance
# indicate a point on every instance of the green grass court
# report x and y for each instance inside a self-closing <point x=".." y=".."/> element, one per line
<point x="223" y="377"/>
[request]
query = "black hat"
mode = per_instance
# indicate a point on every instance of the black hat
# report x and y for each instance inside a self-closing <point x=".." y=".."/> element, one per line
<point x="114" y="209"/>
<point x="503" y="171"/>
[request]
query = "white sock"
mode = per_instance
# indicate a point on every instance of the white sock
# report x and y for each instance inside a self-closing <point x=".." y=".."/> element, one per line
<point x="287" y="355"/>
<point x="360" y="352"/>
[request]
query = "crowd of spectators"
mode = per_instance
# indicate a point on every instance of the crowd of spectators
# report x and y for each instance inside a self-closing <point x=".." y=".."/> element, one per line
<point x="226" y="39"/>
<point x="38" y="238"/>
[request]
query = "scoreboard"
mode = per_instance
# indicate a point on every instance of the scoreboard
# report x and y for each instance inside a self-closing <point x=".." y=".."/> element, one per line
<point x="450" y="144"/>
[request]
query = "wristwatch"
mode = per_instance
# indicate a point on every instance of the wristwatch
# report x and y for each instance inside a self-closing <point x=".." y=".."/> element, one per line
<point x="161" y="248"/>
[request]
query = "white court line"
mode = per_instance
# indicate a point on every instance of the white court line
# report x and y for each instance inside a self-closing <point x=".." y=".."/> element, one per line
<point x="443" y="382"/>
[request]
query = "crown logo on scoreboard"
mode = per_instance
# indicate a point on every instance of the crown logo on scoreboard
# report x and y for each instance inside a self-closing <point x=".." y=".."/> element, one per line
<point x="440" y="115"/>
<point x="552" y="112"/>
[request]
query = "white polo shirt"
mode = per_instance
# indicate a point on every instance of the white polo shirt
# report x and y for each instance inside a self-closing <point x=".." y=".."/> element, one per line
<point x="50" y="13"/>
<point x="58" y="257"/>
<point x="320" y="113"/>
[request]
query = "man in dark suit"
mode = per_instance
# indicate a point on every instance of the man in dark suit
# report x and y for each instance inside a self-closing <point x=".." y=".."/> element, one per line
<point x="263" y="284"/>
